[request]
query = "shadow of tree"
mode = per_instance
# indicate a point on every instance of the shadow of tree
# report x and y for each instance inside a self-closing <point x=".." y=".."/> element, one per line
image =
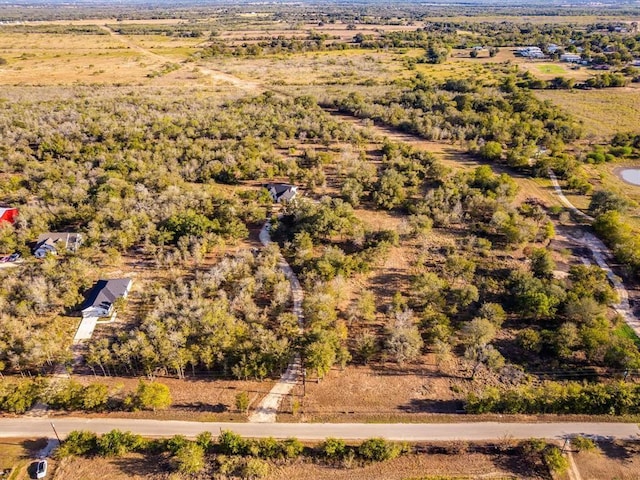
<point x="432" y="406"/>
<point x="150" y="466"/>
<point x="522" y="466"/>
<point x="616" y="450"/>
<point x="202" y="407"/>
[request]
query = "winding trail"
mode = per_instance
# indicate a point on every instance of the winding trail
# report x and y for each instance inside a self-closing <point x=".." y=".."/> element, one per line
<point x="565" y="201"/>
<point x="267" y="409"/>
<point x="600" y="253"/>
<point x="251" y="87"/>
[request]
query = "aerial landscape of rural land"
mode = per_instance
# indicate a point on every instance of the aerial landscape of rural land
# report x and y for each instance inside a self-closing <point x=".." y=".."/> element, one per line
<point x="319" y="240"/>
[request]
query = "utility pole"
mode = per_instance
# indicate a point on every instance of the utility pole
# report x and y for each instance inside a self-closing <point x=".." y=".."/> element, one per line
<point x="54" y="431"/>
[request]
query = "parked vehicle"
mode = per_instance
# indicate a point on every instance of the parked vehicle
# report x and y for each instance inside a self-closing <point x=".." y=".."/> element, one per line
<point x="13" y="257"/>
<point x="41" y="469"/>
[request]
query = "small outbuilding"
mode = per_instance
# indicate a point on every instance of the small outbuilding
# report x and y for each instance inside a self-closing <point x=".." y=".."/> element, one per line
<point x="570" y="57"/>
<point x="8" y="214"/>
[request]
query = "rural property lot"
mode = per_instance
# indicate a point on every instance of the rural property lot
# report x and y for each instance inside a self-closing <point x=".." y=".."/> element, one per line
<point x="433" y="252"/>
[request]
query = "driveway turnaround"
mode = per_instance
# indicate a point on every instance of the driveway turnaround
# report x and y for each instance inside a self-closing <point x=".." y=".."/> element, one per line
<point x="42" y="427"/>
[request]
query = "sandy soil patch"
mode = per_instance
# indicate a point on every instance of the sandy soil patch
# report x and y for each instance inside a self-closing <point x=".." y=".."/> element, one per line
<point x="382" y="390"/>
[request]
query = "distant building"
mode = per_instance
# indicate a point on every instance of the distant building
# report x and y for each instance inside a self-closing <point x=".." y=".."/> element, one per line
<point x="530" y="52"/>
<point x="570" y="57"/>
<point x="8" y="214"/>
<point x="282" y="192"/>
<point x="103" y="295"/>
<point x="552" y="48"/>
<point x="52" y="243"/>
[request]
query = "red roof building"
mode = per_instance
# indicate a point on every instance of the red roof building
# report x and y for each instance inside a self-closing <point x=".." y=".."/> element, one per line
<point x="8" y="214"/>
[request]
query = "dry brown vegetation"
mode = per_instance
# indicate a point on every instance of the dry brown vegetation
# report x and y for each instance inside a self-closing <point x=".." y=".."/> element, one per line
<point x="468" y="466"/>
<point x="139" y="61"/>
<point x="603" y="113"/>
<point x="201" y="399"/>
<point x="611" y="460"/>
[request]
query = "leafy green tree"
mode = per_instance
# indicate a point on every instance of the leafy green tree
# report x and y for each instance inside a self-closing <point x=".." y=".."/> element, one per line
<point x="242" y="402"/>
<point x="116" y="443"/>
<point x="566" y="339"/>
<point x="95" y="397"/>
<point x="333" y="449"/>
<point x="365" y="346"/>
<point x="378" y="450"/>
<point x="493" y="312"/>
<point x="364" y="307"/>
<point x="189" y="458"/>
<point x="491" y="151"/>
<point x="230" y="443"/>
<point x="583" y="443"/>
<point x="19" y="397"/>
<point x="205" y="440"/>
<point x="352" y="191"/>
<point x="153" y="396"/>
<point x="78" y="443"/>
<point x="389" y="192"/>
<point x="320" y="354"/>
<point x="554" y="459"/>
<point x="291" y="448"/>
<point x="603" y="201"/>
<point x="255" y="468"/>
<point x="530" y="340"/>
<point x="542" y="265"/>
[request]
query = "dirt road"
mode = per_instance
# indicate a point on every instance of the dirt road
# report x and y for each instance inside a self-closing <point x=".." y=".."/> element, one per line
<point x="221" y="77"/>
<point x="267" y="410"/>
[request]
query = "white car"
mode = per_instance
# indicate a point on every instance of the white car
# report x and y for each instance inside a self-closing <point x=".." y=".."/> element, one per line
<point x="41" y="469"/>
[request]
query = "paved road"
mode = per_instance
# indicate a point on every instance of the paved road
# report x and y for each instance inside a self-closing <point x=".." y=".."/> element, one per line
<point x="41" y="427"/>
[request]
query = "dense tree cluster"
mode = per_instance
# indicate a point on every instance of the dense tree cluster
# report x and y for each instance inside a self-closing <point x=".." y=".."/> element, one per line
<point x="124" y="167"/>
<point x="230" y="320"/>
<point x="473" y="112"/>
<point x="32" y="337"/>
<point x="616" y="398"/>
<point x="18" y="396"/>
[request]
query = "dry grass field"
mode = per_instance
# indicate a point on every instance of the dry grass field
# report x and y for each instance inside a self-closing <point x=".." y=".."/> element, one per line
<point x="382" y="392"/>
<point x="611" y="461"/>
<point x="455" y="467"/>
<point x="203" y="399"/>
<point x="602" y="112"/>
<point x="46" y="59"/>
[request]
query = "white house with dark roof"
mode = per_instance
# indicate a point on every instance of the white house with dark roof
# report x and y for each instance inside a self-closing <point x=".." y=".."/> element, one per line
<point x="52" y="243"/>
<point x="282" y="192"/>
<point x="103" y="295"/>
